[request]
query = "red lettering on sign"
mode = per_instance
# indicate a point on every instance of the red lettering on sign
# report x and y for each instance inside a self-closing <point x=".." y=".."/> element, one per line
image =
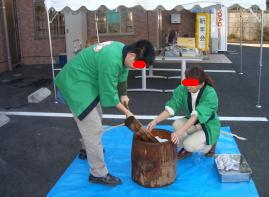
<point x="219" y="18"/>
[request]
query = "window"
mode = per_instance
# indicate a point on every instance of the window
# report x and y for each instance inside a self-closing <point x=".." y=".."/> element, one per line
<point x="40" y="20"/>
<point x="118" y="21"/>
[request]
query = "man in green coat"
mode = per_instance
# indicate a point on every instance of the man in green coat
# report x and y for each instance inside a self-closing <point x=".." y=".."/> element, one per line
<point x="199" y="130"/>
<point x="97" y="77"/>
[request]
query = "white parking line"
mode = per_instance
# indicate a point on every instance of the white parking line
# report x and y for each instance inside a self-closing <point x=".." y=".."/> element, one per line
<point x="221" y="71"/>
<point x="140" y="117"/>
<point x="174" y="69"/>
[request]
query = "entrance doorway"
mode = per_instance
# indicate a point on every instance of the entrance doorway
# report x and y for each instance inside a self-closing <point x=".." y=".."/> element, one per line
<point x="12" y="23"/>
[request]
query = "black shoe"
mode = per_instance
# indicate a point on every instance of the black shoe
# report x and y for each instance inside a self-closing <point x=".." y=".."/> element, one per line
<point x="82" y="154"/>
<point x="105" y="180"/>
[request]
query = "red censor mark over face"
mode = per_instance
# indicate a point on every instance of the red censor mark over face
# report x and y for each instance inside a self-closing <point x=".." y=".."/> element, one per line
<point x="190" y="82"/>
<point x="139" y="64"/>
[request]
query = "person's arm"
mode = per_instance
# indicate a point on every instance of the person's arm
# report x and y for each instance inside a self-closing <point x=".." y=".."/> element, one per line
<point x="207" y="107"/>
<point x="203" y="111"/>
<point x="122" y="83"/>
<point x="163" y="116"/>
<point x="177" y="135"/>
<point x="122" y="90"/>
<point x="171" y="107"/>
<point x="124" y="110"/>
<point x="109" y="94"/>
<point x="122" y="86"/>
<point x="111" y="82"/>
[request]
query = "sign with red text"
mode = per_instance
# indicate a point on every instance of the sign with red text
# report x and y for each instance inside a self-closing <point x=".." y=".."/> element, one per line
<point x="222" y="25"/>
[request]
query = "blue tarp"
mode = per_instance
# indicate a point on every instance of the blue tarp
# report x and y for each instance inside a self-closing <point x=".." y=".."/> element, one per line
<point x="196" y="175"/>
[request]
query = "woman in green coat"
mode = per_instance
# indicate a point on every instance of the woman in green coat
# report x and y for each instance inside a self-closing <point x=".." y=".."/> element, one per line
<point x="200" y="128"/>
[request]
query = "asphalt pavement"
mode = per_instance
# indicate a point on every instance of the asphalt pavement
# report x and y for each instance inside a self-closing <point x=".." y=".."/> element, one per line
<point x="36" y="150"/>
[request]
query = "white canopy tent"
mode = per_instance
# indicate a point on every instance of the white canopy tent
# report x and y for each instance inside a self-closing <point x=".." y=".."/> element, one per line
<point x="59" y="5"/>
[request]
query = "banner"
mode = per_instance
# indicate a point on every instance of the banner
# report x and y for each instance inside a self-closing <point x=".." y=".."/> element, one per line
<point x="222" y="25"/>
<point x="202" y="31"/>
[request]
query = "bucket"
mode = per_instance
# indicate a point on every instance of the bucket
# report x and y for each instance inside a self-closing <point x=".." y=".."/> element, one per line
<point x="154" y="164"/>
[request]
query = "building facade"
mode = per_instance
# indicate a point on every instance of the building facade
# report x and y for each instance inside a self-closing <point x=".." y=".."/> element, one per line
<point x="28" y="36"/>
<point x="29" y="42"/>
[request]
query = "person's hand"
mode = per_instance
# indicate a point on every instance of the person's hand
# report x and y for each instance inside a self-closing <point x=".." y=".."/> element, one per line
<point x="151" y="125"/>
<point x="128" y="114"/>
<point x="174" y="138"/>
<point x="124" y="100"/>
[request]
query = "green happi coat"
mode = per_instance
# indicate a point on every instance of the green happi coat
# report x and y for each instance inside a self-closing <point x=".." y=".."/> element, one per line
<point x="206" y="107"/>
<point x="92" y="76"/>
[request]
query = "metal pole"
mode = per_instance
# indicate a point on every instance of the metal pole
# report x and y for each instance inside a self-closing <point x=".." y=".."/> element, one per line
<point x="183" y="69"/>
<point x="158" y="29"/>
<point x="147" y="23"/>
<point x="7" y="37"/>
<point x="51" y="56"/>
<point x="144" y="79"/>
<point x="241" y="48"/>
<point x="260" y="70"/>
<point x="96" y="27"/>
